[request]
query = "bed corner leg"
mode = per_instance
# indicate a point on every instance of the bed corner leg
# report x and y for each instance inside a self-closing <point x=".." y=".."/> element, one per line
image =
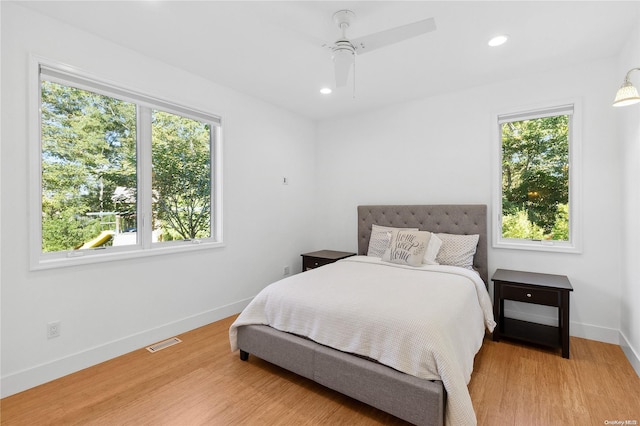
<point x="244" y="356"/>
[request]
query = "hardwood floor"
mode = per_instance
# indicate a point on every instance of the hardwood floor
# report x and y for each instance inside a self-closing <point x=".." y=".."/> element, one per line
<point x="200" y="382"/>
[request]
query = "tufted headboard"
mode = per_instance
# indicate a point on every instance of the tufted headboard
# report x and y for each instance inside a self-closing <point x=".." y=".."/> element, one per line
<point x="446" y="218"/>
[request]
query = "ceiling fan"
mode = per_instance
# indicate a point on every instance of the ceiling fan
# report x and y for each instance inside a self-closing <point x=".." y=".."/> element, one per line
<point x="344" y="51"/>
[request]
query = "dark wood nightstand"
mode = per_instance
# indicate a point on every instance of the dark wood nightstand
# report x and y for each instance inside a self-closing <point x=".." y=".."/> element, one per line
<point x="323" y="257"/>
<point x="531" y="287"/>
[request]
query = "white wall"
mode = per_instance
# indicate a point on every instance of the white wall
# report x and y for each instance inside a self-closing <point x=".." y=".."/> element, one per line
<point x="628" y="121"/>
<point x="112" y="308"/>
<point x="439" y="150"/>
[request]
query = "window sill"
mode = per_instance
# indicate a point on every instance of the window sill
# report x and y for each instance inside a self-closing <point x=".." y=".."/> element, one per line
<point x="102" y="256"/>
<point x="545" y="246"/>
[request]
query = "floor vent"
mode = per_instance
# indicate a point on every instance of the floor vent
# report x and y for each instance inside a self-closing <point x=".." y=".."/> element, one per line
<point x="162" y="345"/>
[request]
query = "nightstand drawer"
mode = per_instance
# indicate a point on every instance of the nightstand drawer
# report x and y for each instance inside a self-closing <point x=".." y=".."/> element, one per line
<point x="319" y="258"/>
<point x="314" y="262"/>
<point x="531" y="295"/>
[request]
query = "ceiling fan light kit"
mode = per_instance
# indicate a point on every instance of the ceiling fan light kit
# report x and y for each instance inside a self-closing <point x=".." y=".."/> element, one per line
<point x="344" y="51"/>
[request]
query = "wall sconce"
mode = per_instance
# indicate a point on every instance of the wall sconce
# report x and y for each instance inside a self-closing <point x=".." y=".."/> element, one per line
<point x="627" y="93"/>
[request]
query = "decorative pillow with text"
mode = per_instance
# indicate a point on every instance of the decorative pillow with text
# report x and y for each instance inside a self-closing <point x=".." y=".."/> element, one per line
<point x="407" y="247"/>
<point x="380" y="239"/>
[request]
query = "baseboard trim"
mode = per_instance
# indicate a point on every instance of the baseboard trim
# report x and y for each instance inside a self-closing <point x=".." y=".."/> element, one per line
<point x="25" y="379"/>
<point x="631" y="354"/>
<point x="594" y="332"/>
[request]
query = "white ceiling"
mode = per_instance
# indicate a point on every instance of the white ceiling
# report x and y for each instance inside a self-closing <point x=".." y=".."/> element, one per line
<point x="273" y="49"/>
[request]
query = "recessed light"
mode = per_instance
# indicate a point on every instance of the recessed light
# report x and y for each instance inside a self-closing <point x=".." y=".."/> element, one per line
<point x="498" y="40"/>
<point x="325" y="90"/>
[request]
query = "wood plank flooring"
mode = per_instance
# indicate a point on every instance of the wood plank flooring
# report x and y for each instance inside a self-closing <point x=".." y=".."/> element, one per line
<point x="200" y="382"/>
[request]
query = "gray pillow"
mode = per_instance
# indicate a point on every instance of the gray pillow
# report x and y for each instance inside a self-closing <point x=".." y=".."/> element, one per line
<point x="457" y="250"/>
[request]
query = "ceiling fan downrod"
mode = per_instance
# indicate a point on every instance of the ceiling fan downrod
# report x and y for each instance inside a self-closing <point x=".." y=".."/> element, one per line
<point x="343" y="19"/>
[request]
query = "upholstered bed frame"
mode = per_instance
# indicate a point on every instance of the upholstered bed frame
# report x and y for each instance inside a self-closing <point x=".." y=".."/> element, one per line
<point x="415" y="400"/>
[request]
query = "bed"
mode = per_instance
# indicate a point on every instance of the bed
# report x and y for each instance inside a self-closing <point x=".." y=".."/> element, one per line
<point x="336" y="349"/>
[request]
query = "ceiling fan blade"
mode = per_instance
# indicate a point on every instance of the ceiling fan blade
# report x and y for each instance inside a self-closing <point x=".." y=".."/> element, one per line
<point x="394" y="35"/>
<point x="343" y="61"/>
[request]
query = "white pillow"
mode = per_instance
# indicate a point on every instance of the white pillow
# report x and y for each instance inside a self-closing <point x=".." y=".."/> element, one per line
<point x="380" y="239"/>
<point x="407" y="247"/>
<point x="457" y="250"/>
<point x="433" y="248"/>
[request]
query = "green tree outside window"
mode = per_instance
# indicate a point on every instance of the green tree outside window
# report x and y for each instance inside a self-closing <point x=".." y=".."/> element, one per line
<point x="535" y="178"/>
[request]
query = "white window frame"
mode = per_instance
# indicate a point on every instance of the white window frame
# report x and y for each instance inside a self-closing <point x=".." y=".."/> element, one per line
<point x="144" y="247"/>
<point x="574" y="245"/>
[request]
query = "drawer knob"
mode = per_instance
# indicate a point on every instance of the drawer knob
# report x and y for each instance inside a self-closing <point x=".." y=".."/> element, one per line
<point x="528" y="294"/>
<point x="316" y="264"/>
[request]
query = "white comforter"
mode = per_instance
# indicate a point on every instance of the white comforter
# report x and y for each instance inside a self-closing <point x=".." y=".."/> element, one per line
<point x="427" y="321"/>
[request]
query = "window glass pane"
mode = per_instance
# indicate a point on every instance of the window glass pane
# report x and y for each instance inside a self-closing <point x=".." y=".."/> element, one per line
<point x="181" y="179"/>
<point x="88" y="169"/>
<point x="535" y="178"/>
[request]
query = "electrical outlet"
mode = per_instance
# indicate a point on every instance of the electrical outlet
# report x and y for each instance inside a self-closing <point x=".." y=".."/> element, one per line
<point x="53" y="329"/>
<point x="286" y="270"/>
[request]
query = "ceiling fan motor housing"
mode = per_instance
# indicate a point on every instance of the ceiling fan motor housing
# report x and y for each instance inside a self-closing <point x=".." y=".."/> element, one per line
<point x="343" y="47"/>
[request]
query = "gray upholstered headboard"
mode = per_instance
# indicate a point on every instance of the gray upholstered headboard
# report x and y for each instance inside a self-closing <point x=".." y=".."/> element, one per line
<point x="446" y="218"/>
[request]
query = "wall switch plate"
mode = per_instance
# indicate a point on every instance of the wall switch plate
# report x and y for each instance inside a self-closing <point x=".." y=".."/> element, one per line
<point x="53" y="329"/>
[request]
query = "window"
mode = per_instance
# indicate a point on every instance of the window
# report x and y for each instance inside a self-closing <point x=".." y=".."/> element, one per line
<point x="538" y="201"/>
<point x="120" y="174"/>
<point x="181" y="176"/>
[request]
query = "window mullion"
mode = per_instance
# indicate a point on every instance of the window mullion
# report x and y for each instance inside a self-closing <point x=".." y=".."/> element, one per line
<point x="145" y="198"/>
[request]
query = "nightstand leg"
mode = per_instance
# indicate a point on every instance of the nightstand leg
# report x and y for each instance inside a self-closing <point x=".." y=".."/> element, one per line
<point x="498" y="316"/>
<point x="564" y="324"/>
